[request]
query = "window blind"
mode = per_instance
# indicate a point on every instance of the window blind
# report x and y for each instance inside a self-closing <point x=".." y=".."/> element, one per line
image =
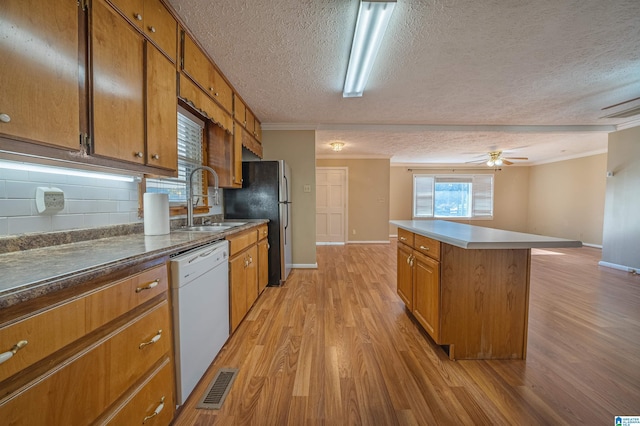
<point x="189" y="157"/>
<point x="425" y="200"/>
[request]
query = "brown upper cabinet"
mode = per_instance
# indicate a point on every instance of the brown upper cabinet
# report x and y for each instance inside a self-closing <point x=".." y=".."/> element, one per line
<point x="40" y="100"/>
<point x="245" y="118"/>
<point x="151" y="17"/>
<point x="202" y="71"/>
<point x="122" y="108"/>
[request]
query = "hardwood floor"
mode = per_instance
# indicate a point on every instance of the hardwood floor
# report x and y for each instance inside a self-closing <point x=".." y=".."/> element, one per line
<point x="336" y="346"/>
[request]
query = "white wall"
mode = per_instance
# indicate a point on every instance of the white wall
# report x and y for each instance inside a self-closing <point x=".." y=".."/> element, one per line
<point x="621" y="233"/>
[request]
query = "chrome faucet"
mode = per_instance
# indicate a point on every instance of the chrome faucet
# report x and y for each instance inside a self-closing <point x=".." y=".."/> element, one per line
<point x="190" y="193"/>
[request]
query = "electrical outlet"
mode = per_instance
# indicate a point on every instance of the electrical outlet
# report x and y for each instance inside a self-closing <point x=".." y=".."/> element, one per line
<point x="49" y="200"/>
<point x="307" y="188"/>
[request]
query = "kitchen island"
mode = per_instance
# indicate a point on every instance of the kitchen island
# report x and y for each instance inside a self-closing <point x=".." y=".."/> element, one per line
<point x="468" y="286"/>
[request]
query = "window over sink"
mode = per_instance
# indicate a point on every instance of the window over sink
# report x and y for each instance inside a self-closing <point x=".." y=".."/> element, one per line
<point x="190" y="155"/>
<point x="453" y="196"/>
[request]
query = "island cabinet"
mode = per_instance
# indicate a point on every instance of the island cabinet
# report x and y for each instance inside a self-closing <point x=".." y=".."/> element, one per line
<point x="243" y="275"/>
<point x="103" y="356"/>
<point x="472" y="302"/>
<point x="419" y="279"/>
<point x="133" y="93"/>
<point x="40" y="99"/>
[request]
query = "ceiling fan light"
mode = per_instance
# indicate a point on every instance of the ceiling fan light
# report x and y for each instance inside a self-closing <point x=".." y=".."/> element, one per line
<point x="498" y="162"/>
<point x="490" y="163"/>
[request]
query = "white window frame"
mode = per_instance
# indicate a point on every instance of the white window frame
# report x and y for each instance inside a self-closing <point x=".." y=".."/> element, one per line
<point x="190" y="155"/>
<point x="482" y="200"/>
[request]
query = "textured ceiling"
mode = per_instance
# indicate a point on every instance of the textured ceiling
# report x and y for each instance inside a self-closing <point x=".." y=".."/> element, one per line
<point x="453" y="78"/>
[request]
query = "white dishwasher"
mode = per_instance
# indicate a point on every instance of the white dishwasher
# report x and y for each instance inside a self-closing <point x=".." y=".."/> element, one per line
<point x="200" y="294"/>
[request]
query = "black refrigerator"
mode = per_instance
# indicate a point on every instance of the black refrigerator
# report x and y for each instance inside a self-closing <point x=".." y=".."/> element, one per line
<point x="266" y="194"/>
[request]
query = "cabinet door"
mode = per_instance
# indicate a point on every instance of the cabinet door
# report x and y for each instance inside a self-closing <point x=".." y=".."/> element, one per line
<point x="252" y="276"/>
<point x="250" y="123"/>
<point x="161" y="27"/>
<point x="39" y="72"/>
<point x="426" y="296"/>
<point x="263" y="263"/>
<point x="237" y="156"/>
<point x="118" y="86"/>
<point x="220" y="155"/>
<point x="222" y="92"/>
<point x="237" y="290"/>
<point x="258" y="130"/>
<point x="195" y="64"/>
<point x="162" y="104"/>
<point x="239" y="111"/>
<point x="132" y="9"/>
<point x="405" y="275"/>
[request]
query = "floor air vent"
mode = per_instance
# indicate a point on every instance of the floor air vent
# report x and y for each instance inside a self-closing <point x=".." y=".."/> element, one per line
<point x="218" y="389"/>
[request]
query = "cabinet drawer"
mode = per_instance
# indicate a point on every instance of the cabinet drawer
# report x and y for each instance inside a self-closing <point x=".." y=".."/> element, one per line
<point x="427" y="246"/>
<point x="155" y="390"/>
<point x="263" y="231"/>
<point x="132" y="351"/>
<point x="45" y="333"/>
<point x="77" y="392"/>
<point x="405" y="237"/>
<point x="237" y="243"/>
<point x="55" y="328"/>
<point x="120" y="297"/>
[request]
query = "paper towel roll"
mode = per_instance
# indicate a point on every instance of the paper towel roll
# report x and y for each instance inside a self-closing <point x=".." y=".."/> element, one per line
<point x="156" y="213"/>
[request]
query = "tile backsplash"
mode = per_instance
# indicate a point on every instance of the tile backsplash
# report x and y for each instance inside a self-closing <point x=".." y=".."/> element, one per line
<point x="89" y="202"/>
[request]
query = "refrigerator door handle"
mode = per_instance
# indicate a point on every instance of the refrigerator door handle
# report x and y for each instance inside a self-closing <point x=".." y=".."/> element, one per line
<point x="286" y="189"/>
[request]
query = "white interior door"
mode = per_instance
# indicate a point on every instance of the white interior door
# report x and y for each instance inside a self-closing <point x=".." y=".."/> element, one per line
<point x="331" y="204"/>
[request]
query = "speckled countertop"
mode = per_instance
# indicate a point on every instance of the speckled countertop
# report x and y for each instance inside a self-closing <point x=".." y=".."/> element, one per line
<point x="30" y="273"/>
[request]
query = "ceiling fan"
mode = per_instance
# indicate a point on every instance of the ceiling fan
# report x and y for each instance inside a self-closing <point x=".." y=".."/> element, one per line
<point x="496" y="159"/>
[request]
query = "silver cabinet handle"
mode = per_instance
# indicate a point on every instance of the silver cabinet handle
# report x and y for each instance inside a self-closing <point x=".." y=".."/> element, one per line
<point x="11" y="352"/>
<point x="156" y="412"/>
<point x="424" y="248"/>
<point x="403" y="239"/>
<point x="152" y="29"/>
<point x="5" y="118"/>
<point x="149" y="286"/>
<point x="137" y="16"/>
<point x="155" y="156"/>
<point x="138" y="154"/>
<point x="152" y="341"/>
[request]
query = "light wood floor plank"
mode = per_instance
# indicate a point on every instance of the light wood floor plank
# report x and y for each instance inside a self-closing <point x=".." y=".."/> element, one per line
<point x="337" y="346"/>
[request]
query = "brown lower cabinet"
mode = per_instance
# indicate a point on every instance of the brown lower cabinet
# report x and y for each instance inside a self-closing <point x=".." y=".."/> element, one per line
<point x="248" y="271"/>
<point x="101" y="356"/>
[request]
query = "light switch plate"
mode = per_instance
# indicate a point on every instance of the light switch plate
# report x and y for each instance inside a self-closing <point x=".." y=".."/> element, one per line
<point x="307" y="188"/>
<point x="49" y="200"/>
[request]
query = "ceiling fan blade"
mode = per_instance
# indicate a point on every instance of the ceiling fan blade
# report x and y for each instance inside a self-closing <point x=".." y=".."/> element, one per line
<point x="506" y="162"/>
<point x="515" y="158"/>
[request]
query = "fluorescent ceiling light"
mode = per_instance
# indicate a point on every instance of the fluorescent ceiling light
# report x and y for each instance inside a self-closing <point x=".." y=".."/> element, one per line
<point x="62" y="171"/>
<point x="373" y="18"/>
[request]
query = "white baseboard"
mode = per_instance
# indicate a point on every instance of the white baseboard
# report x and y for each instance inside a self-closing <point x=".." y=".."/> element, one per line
<point x="368" y="242"/>
<point x="325" y="243"/>
<point x="618" y="267"/>
<point x="598" y="246"/>
<point x="393" y="235"/>
<point x="305" y="266"/>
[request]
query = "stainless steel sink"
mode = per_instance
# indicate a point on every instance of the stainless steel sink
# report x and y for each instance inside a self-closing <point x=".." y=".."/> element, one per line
<point x="212" y="227"/>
